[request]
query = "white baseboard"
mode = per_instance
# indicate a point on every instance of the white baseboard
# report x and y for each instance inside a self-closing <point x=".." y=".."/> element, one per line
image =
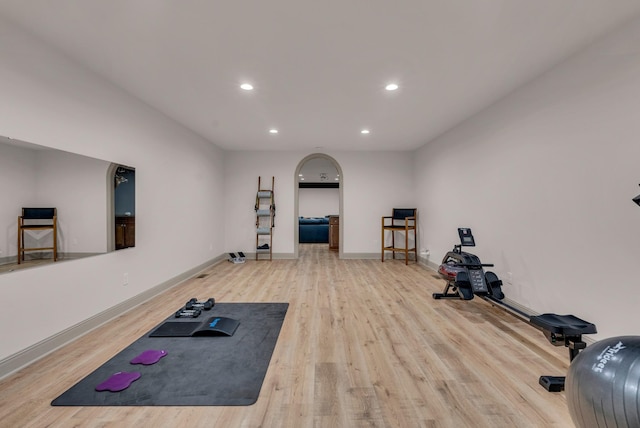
<point x="265" y="256"/>
<point x="428" y="263"/>
<point x="361" y="256"/>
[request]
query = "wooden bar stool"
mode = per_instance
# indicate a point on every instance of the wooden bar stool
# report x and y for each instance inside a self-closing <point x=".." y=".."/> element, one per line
<point x="402" y="220"/>
<point x="37" y="219"/>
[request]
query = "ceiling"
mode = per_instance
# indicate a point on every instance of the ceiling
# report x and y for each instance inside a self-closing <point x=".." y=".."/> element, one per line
<point x="319" y="68"/>
<point x="318" y="170"/>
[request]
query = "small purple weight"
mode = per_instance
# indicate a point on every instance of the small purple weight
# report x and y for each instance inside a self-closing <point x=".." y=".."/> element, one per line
<point x="118" y="381"/>
<point x="150" y="356"/>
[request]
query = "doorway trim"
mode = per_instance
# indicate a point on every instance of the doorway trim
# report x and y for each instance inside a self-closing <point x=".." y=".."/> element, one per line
<point x="111" y="204"/>
<point x="111" y="213"/>
<point x="296" y="202"/>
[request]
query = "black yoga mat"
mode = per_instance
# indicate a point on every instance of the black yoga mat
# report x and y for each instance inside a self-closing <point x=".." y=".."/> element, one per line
<point x="197" y="371"/>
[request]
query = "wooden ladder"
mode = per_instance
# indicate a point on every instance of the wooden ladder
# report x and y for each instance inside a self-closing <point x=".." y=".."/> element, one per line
<point x="265" y="220"/>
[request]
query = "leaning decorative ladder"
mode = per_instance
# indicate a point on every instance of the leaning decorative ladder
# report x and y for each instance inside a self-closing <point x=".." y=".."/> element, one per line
<point x="265" y="220"/>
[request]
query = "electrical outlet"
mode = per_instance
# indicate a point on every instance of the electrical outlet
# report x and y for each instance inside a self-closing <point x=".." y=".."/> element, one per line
<point x="125" y="279"/>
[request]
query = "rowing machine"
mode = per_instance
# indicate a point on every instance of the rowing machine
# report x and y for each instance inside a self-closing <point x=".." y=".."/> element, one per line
<point x="466" y="278"/>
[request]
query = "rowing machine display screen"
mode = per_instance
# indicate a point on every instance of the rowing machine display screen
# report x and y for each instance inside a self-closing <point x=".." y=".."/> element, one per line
<point x="466" y="238"/>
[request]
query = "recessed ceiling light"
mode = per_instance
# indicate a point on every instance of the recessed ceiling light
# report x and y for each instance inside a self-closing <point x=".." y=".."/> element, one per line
<point x="273" y="131"/>
<point x="299" y="175"/>
<point x="364" y="131"/>
<point x="302" y="179"/>
<point x="391" y="87"/>
<point x="246" y="86"/>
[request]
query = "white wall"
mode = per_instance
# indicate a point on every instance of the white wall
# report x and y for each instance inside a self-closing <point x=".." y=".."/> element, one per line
<point x="242" y="170"/>
<point x="50" y="101"/>
<point x="318" y="202"/>
<point x="545" y="179"/>
<point x="373" y="183"/>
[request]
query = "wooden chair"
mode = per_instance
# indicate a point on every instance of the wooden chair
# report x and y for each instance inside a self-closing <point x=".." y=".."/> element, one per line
<point x="402" y="220"/>
<point x="37" y="219"/>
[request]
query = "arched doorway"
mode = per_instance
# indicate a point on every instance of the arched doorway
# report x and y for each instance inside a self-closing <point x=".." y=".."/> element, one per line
<point x="296" y="202"/>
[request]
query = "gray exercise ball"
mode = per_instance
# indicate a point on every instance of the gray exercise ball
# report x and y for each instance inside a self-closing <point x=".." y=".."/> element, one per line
<point x="603" y="382"/>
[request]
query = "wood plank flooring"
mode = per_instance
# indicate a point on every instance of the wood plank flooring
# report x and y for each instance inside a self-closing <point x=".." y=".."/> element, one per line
<point x="363" y="345"/>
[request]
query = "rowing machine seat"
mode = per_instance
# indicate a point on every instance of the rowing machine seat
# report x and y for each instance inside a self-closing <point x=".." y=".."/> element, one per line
<point x="560" y="327"/>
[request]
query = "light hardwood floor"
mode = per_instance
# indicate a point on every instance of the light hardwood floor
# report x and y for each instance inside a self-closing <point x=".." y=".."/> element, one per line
<point x="363" y="344"/>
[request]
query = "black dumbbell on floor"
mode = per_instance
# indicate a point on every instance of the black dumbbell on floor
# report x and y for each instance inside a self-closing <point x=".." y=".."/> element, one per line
<point x="188" y="313"/>
<point x="206" y="305"/>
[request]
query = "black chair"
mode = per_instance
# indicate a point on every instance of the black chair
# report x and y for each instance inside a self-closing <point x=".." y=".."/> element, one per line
<point x="401" y="220"/>
<point x="37" y="219"/>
